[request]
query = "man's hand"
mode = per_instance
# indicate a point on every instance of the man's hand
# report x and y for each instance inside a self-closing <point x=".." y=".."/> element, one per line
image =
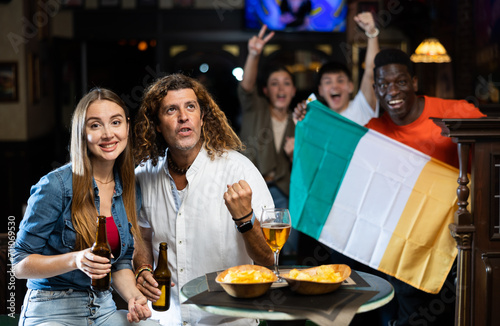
<point x="148" y="286"/>
<point x="299" y="113"/>
<point x="238" y="199"/>
<point x="366" y="22"/>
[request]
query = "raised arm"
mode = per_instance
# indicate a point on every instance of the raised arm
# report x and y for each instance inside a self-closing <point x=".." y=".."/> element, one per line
<point x="255" y="46"/>
<point x="366" y="21"/>
<point x="238" y="199"/>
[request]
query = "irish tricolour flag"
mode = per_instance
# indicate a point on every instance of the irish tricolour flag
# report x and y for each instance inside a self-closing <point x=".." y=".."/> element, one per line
<point x="373" y="199"/>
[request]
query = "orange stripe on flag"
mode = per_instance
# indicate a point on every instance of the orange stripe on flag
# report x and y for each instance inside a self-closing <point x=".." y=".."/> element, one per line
<point x="422" y="250"/>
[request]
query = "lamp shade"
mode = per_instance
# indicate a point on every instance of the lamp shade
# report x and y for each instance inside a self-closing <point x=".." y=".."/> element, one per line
<point x="430" y="51"/>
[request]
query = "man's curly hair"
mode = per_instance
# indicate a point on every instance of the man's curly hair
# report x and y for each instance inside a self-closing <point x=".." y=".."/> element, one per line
<point x="217" y="134"/>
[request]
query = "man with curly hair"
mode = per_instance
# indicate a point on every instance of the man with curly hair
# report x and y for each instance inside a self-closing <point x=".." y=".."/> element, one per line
<point x="199" y="195"/>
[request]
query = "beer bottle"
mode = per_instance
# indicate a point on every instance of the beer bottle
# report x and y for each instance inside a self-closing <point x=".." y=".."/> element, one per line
<point x="101" y="248"/>
<point x="162" y="276"/>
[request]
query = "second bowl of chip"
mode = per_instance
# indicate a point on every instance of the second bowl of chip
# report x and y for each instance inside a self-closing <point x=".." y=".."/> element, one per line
<point x="246" y="281"/>
<point x="318" y="280"/>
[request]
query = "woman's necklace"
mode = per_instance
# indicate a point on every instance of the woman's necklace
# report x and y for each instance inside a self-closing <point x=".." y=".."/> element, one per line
<point x="174" y="166"/>
<point x="104" y="183"/>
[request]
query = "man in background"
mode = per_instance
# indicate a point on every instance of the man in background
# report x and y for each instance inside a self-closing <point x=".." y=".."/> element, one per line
<point x="406" y="119"/>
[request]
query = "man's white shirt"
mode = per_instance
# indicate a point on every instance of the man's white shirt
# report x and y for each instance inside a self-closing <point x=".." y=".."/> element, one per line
<point x="197" y="225"/>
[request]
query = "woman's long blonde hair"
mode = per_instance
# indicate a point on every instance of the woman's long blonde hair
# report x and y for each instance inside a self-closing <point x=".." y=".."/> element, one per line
<point x="83" y="210"/>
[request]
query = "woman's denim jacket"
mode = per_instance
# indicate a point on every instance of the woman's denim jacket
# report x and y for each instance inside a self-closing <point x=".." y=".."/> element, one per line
<point x="46" y="228"/>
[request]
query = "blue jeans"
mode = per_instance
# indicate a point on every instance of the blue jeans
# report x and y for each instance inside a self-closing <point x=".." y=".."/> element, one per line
<point x="72" y="308"/>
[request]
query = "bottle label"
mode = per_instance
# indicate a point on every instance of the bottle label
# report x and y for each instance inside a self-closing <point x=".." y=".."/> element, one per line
<point x="161" y="301"/>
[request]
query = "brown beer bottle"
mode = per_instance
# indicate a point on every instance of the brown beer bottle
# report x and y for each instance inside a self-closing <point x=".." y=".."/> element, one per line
<point x="163" y="277"/>
<point x="101" y="248"/>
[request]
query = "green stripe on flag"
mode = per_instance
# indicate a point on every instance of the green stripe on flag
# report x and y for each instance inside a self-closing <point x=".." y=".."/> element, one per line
<point x="324" y="144"/>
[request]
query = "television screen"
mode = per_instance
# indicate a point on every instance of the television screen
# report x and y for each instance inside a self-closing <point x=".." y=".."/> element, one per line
<point x="297" y="15"/>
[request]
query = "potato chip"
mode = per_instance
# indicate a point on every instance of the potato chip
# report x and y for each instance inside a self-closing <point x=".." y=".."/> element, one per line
<point x="247" y="276"/>
<point x="323" y="273"/>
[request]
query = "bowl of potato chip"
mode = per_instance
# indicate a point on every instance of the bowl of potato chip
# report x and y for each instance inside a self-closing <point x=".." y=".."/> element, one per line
<point x="317" y="280"/>
<point x="246" y="281"/>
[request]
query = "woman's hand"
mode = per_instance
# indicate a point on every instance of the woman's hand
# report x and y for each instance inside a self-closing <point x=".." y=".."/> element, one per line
<point x="96" y="267"/>
<point x="289" y="146"/>
<point x="138" y="309"/>
<point x="256" y="43"/>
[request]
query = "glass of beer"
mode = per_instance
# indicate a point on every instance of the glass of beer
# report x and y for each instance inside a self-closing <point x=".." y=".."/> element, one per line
<point x="276" y="225"/>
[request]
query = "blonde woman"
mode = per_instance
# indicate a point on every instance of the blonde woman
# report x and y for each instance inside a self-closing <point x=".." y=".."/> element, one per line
<point x="52" y="249"/>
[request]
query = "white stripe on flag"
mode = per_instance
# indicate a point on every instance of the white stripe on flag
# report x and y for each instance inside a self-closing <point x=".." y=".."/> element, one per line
<point x="362" y="227"/>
